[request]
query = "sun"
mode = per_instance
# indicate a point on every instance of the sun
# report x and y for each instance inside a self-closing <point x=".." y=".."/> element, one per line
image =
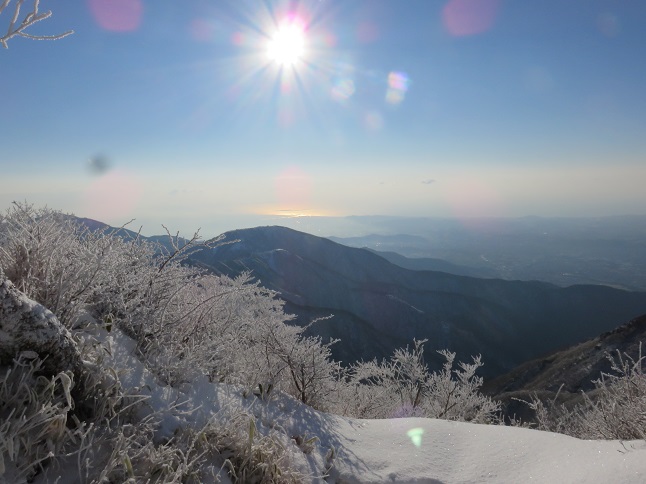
<point x="287" y="46"/>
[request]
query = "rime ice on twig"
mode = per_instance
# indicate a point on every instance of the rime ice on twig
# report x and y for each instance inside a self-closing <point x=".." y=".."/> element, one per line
<point x="18" y="29"/>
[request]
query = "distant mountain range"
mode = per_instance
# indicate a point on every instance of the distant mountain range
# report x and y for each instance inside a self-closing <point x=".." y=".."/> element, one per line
<point x="379" y="306"/>
<point x="564" y="251"/>
<point x="432" y="264"/>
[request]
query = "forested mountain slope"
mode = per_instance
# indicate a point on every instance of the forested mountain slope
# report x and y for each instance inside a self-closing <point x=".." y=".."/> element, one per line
<point x="378" y="306"/>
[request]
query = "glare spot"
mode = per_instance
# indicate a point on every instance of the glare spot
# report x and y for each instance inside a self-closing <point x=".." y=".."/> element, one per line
<point x="201" y="30"/>
<point x="238" y="39"/>
<point x="407" y="410"/>
<point x="117" y="15"/>
<point x="329" y="40"/>
<point x="293" y="189"/>
<point x="287" y="46"/>
<point x="609" y="24"/>
<point x="398" y="80"/>
<point x="472" y="198"/>
<point x="469" y="17"/>
<point x="342" y="81"/>
<point x="112" y="196"/>
<point x="394" y="96"/>
<point x="342" y="89"/>
<point x="367" y="32"/>
<point x="286" y="117"/>
<point x="373" y="120"/>
<point x="397" y="87"/>
<point x="416" y="436"/>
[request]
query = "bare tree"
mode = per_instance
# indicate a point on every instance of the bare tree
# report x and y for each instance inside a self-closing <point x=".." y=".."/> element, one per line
<point x="18" y="27"/>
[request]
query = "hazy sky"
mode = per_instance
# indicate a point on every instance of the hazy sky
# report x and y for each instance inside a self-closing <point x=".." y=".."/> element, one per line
<point x="174" y="112"/>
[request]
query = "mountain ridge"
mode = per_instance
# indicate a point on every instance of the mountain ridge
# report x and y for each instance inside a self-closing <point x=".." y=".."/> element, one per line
<point x="378" y="306"/>
<point x="517" y="319"/>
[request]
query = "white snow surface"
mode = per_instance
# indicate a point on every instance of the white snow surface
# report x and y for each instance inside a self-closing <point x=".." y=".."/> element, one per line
<point x="382" y="451"/>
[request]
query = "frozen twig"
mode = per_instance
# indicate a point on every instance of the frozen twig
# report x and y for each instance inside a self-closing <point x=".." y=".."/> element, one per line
<point x="33" y="17"/>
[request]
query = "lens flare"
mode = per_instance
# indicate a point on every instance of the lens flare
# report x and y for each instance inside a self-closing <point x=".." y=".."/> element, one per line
<point x="373" y="120"/>
<point x="293" y="189"/>
<point x="117" y="15"/>
<point x="397" y="87"/>
<point x="470" y="199"/>
<point x="113" y="196"/>
<point x="238" y="39"/>
<point x="201" y="30"/>
<point x="398" y="80"/>
<point x="342" y="89"/>
<point x="367" y="32"/>
<point x="469" y="17"/>
<point x="287" y="46"/>
<point x="609" y="24"/>
<point x="416" y="436"/>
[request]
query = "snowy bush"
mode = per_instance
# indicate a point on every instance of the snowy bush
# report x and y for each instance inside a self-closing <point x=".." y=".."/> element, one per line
<point x="403" y="387"/>
<point x="249" y="455"/>
<point x="49" y="421"/>
<point x="185" y="322"/>
<point x="185" y="325"/>
<point x="615" y="409"/>
<point x="97" y="431"/>
<point x="33" y="416"/>
<point x="65" y="266"/>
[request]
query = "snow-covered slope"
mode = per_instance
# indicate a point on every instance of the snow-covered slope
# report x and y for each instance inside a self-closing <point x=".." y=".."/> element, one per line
<point x="386" y="451"/>
<point x="407" y="450"/>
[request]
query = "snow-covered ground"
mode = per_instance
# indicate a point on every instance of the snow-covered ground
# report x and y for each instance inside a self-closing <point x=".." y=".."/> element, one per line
<point x="406" y="450"/>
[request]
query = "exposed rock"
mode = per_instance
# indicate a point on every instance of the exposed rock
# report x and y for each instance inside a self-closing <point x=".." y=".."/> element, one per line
<point x="26" y="325"/>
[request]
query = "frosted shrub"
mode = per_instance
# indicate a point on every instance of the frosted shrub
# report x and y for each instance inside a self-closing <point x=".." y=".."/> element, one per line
<point x="302" y="366"/>
<point x="48" y="429"/>
<point x="404" y="387"/>
<point x="549" y="415"/>
<point x="184" y="321"/>
<point x="81" y="274"/>
<point x="33" y="418"/>
<point x="185" y="324"/>
<point x="242" y="328"/>
<point x="615" y="409"/>
<point x="618" y="411"/>
<point x="68" y="268"/>
<point x="208" y="323"/>
<point x="252" y="453"/>
<point x="454" y="394"/>
<point x="41" y="253"/>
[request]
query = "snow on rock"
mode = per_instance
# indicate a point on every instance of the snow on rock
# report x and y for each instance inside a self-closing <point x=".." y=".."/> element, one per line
<point x="407" y="450"/>
<point x="26" y="325"/>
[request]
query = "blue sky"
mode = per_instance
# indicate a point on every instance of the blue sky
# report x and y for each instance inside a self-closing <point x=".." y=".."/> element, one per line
<point x="452" y="108"/>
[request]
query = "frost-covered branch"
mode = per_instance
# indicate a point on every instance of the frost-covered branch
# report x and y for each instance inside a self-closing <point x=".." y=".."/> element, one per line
<point x="615" y="409"/>
<point x="17" y="28"/>
<point x="404" y="387"/>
